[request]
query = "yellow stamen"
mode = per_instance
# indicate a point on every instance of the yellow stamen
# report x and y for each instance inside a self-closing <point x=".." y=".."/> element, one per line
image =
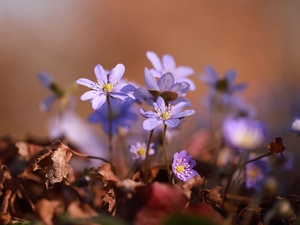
<point x="166" y="115"/>
<point x="107" y="87"/>
<point x="179" y="169"/>
<point x="141" y="152"/>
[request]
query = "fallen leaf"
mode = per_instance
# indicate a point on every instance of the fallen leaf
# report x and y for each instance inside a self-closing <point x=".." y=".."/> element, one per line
<point x="55" y="161"/>
<point x="105" y="174"/>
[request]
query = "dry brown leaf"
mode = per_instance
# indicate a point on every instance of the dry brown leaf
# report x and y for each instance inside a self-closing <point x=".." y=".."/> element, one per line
<point x="77" y="210"/>
<point x="55" y="161"/>
<point x="28" y="150"/>
<point x="46" y="210"/>
<point x="193" y="182"/>
<point x="214" y="195"/>
<point x="105" y="174"/>
<point x="110" y="198"/>
<point x="251" y="213"/>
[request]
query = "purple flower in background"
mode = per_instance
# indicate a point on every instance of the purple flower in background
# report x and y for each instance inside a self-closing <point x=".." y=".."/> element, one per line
<point x="164" y="87"/>
<point x="182" y="166"/>
<point x="123" y="115"/>
<point x="108" y="84"/>
<point x="243" y="133"/>
<point x="139" y="150"/>
<point x="168" y="65"/>
<point x="58" y="93"/>
<point x="169" y="115"/>
<point x="223" y="85"/>
<point x="256" y="173"/>
<point x="295" y="127"/>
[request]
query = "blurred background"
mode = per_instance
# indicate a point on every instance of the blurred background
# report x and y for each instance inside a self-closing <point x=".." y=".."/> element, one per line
<point x="260" y="39"/>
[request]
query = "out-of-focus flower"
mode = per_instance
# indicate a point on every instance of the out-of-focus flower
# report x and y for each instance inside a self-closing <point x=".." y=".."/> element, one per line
<point x="123" y="115"/>
<point x="164" y="87"/>
<point x="244" y="133"/>
<point x="139" y="150"/>
<point x="78" y="132"/>
<point x="63" y="95"/>
<point x="182" y="166"/>
<point x="224" y="84"/>
<point x="108" y="84"/>
<point x="169" y="115"/>
<point x="168" y="65"/>
<point x="295" y="127"/>
<point x="256" y="173"/>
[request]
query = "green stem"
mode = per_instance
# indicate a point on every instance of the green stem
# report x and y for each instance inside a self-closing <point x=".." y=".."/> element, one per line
<point x="146" y="166"/>
<point x="165" y="151"/>
<point x="235" y="169"/>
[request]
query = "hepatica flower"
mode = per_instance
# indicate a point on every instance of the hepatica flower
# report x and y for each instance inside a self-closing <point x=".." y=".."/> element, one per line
<point x="63" y="95"/>
<point x="165" y="87"/>
<point x="224" y="84"/>
<point x="243" y="133"/>
<point x="123" y="115"/>
<point x="168" y="65"/>
<point x="256" y="173"/>
<point x="183" y="165"/>
<point x="108" y="84"/>
<point x="139" y="150"/>
<point x="169" y="115"/>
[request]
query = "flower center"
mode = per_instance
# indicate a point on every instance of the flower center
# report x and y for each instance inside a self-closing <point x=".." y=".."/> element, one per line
<point x="222" y="85"/>
<point x="107" y="87"/>
<point x="166" y="115"/>
<point x="141" y="152"/>
<point x="180" y="169"/>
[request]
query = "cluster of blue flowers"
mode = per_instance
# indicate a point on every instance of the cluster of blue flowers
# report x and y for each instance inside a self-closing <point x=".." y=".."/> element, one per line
<point x="166" y="86"/>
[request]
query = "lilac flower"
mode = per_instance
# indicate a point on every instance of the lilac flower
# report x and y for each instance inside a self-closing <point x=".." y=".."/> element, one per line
<point x="164" y="87"/>
<point x="108" y="84"/>
<point x="123" y="115"/>
<point x="223" y="85"/>
<point x="169" y="115"/>
<point x="168" y="65"/>
<point x="256" y="173"/>
<point x="139" y="150"/>
<point x="244" y="133"/>
<point x="58" y="93"/>
<point x="182" y="166"/>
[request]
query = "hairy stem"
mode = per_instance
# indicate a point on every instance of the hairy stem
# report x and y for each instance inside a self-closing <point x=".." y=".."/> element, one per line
<point x="146" y="166"/>
<point x="110" y="136"/>
<point x="165" y="151"/>
<point x="235" y="169"/>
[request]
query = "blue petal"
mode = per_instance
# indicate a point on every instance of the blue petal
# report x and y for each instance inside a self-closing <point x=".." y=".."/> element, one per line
<point x="45" y="79"/>
<point x="165" y="82"/>
<point x="180" y="88"/>
<point x="230" y="75"/>
<point x="98" y="101"/>
<point x="183" y="71"/>
<point x="88" y="83"/>
<point x="89" y="95"/>
<point x="183" y="114"/>
<point x="160" y="104"/>
<point x="118" y="95"/>
<point x="45" y="106"/>
<point x="182" y="154"/>
<point x="150" y="80"/>
<point x="142" y="93"/>
<point x="154" y="59"/>
<point x="173" y="122"/>
<point x="116" y="73"/>
<point x="151" y="123"/>
<point x="148" y="113"/>
<point x="168" y="62"/>
<point x="155" y="73"/>
<point x="179" y="106"/>
<point x="100" y="73"/>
